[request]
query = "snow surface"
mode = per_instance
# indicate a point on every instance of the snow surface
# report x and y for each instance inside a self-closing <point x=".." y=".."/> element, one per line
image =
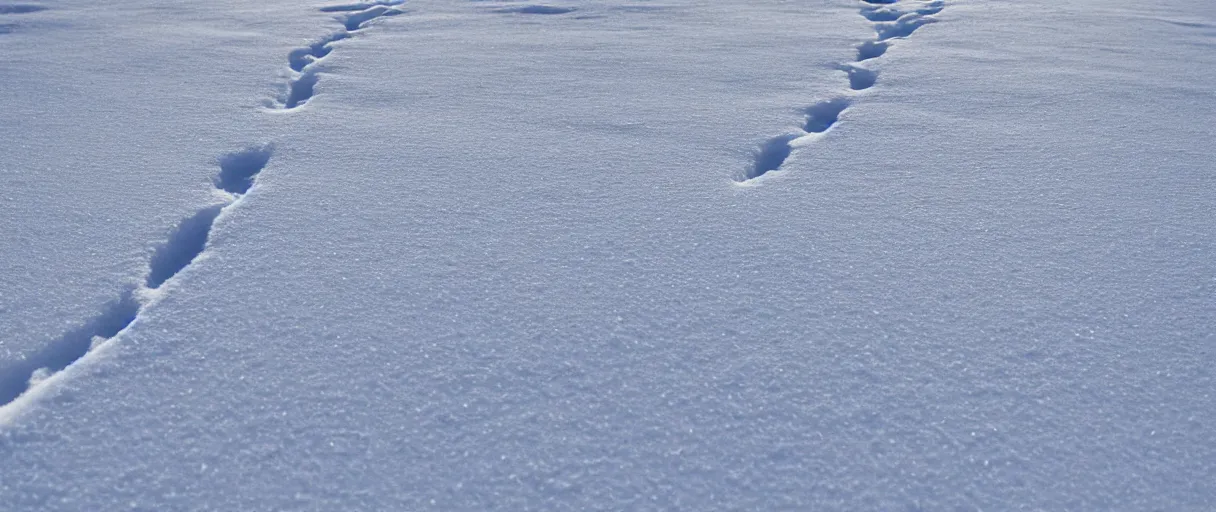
<point x="608" y="254"/>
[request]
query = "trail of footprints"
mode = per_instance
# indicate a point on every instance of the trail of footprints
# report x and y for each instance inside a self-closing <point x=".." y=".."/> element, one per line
<point x="237" y="176"/>
<point x="305" y="62"/>
<point x="892" y="20"/>
<point x="238" y="173"/>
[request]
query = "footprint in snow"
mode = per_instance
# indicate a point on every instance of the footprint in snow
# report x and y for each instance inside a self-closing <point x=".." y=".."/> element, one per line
<point x="535" y="9"/>
<point x="20" y="8"/>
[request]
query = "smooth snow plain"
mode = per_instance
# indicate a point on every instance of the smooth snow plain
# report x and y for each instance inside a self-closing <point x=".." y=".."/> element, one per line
<point x="608" y="255"/>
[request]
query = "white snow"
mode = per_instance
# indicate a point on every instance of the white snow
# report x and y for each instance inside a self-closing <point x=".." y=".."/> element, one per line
<point x="607" y="254"/>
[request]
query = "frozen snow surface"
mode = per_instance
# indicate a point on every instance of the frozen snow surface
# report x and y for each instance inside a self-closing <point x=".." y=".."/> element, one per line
<point x="608" y="255"/>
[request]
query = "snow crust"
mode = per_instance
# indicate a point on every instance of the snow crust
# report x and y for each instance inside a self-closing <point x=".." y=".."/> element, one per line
<point x="518" y="256"/>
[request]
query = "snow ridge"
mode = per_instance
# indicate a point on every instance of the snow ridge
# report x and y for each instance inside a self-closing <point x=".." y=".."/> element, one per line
<point x="237" y="176"/>
<point x="304" y="62"/>
<point x="891" y="21"/>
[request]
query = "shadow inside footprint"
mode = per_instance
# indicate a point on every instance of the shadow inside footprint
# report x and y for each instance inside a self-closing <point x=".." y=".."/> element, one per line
<point x="359" y="6"/>
<point x="860" y="78"/>
<point x="770" y="155"/>
<point x="821" y="116"/>
<point x="880" y="14"/>
<point x="932" y="8"/>
<point x="20" y="8"/>
<point x="239" y="170"/>
<point x="903" y="27"/>
<point x="358" y="20"/>
<point x="301" y="90"/>
<point x="536" y="9"/>
<point x="871" y="50"/>
<point x="186" y="243"/>
<point x="300" y="58"/>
